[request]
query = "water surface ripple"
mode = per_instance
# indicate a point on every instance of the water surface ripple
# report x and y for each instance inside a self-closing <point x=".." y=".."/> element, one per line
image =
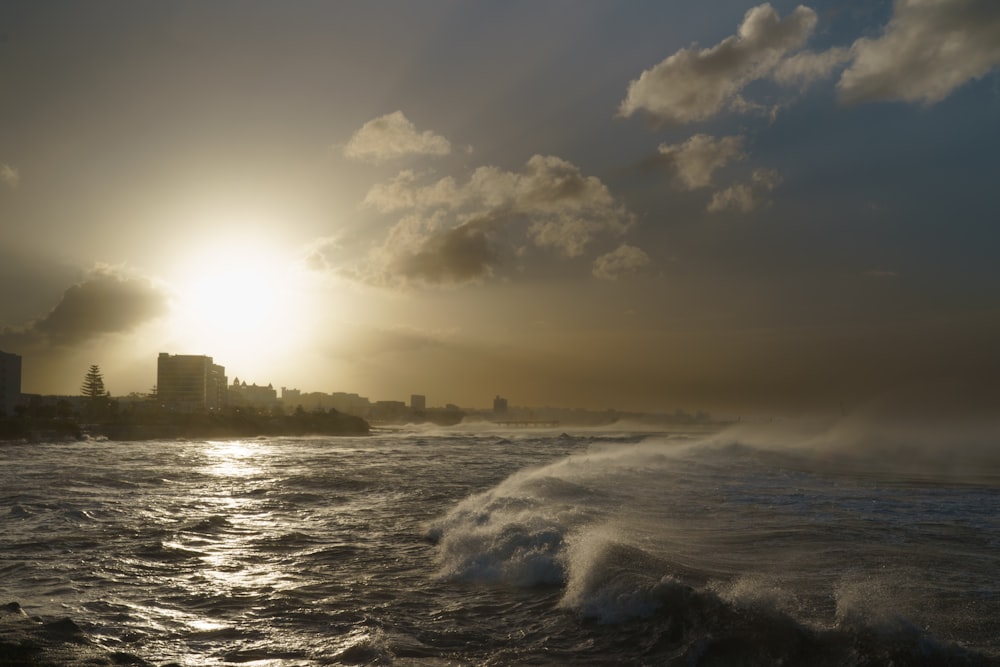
<point x="464" y="547"/>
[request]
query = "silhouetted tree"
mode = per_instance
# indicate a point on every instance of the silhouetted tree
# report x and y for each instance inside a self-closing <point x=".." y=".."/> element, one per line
<point x="93" y="384"/>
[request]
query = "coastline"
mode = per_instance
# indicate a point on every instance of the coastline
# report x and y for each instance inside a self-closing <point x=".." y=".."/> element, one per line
<point x="173" y="426"/>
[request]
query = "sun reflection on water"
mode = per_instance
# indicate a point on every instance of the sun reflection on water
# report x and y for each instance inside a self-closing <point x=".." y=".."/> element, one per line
<point x="235" y="458"/>
<point x="234" y="518"/>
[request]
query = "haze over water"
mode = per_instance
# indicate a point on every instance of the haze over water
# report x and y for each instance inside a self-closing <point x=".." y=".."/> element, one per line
<point x="423" y="546"/>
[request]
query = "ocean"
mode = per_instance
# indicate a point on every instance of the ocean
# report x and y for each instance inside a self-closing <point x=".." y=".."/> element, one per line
<point x="757" y="544"/>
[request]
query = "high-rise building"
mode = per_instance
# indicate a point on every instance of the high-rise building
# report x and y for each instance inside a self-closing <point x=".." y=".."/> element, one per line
<point x="190" y="382"/>
<point x="10" y="382"/>
<point x="418" y="402"/>
<point x="500" y="405"/>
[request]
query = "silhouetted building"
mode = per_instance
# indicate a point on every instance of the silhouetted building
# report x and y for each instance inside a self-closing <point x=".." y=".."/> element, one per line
<point x="190" y="382"/>
<point x="349" y="404"/>
<point x="388" y="411"/>
<point x="240" y="393"/>
<point x="418" y="402"/>
<point x="500" y="405"/>
<point x="10" y="382"/>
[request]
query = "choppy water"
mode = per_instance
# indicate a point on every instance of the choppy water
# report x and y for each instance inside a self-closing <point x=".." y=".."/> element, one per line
<point x="470" y="547"/>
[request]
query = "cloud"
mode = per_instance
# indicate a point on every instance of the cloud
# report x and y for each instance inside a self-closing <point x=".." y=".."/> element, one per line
<point x="928" y="49"/>
<point x="809" y="66"/>
<point x="10" y="176"/>
<point x="393" y="136"/>
<point x="625" y="260"/>
<point x="694" y="161"/>
<point x="745" y="197"/>
<point x="693" y="84"/>
<point x="459" y="254"/>
<point x="461" y="232"/>
<point x="108" y="301"/>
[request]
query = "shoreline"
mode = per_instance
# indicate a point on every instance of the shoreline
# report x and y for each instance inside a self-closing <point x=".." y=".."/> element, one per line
<point x="190" y="426"/>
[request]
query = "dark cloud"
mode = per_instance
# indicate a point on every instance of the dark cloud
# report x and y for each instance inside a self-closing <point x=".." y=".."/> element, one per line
<point x="455" y="233"/>
<point x="456" y="255"/>
<point x="106" y="302"/>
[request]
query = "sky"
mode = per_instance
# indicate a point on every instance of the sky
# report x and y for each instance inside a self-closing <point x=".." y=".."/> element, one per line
<point x="638" y="205"/>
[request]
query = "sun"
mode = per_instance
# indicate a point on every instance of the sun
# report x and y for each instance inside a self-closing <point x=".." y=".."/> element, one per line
<point x="241" y="302"/>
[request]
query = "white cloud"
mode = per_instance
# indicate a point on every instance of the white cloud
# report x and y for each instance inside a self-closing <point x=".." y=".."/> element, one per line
<point x="693" y="84"/>
<point x="808" y="66"/>
<point x="405" y="192"/>
<point x="393" y="136"/>
<point x="928" y="49"/>
<point x="694" y="161"/>
<point x="625" y="260"/>
<point x="9" y="176"/>
<point x="459" y="232"/>
<point x="745" y="197"/>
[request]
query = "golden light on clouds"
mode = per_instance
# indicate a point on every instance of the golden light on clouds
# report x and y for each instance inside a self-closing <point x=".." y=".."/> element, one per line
<point x="329" y="201"/>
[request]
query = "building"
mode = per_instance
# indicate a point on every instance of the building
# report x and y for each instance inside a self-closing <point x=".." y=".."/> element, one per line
<point x="10" y="382"/>
<point x="241" y="393"/>
<point x="388" y="411"/>
<point x="349" y="404"/>
<point x="500" y="405"/>
<point x="418" y="402"/>
<point x="190" y="383"/>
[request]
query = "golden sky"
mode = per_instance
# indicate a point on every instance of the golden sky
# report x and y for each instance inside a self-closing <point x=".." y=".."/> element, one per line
<point x="641" y="206"/>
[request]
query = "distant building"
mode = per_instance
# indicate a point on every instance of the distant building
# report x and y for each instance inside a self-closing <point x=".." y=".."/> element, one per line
<point x="418" y="402"/>
<point x="240" y="393"/>
<point x="349" y="404"/>
<point x="388" y="411"/>
<point x="10" y="382"/>
<point x="191" y="383"/>
<point x="500" y="405"/>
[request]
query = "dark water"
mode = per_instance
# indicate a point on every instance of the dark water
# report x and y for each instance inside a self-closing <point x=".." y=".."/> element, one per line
<point x="471" y="547"/>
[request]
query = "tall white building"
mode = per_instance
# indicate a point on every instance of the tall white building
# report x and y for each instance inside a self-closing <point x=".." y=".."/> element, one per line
<point x="10" y="382"/>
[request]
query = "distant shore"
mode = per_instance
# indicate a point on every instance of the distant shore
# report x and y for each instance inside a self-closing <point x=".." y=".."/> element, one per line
<point x="186" y="425"/>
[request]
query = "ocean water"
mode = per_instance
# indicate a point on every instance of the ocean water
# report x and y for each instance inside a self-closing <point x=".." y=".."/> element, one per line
<point x="744" y="546"/>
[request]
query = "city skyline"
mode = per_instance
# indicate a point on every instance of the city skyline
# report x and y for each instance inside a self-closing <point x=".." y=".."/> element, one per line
<point x="748" y="207"/>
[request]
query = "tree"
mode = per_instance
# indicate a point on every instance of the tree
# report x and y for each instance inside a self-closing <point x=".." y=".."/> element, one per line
<point x="93" y="384"/>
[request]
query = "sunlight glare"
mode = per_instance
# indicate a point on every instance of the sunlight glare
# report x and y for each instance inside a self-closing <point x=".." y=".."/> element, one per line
<point x="243" y="302"/>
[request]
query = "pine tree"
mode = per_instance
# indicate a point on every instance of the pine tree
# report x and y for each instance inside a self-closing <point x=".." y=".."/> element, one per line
<point x="93" y="384"/>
